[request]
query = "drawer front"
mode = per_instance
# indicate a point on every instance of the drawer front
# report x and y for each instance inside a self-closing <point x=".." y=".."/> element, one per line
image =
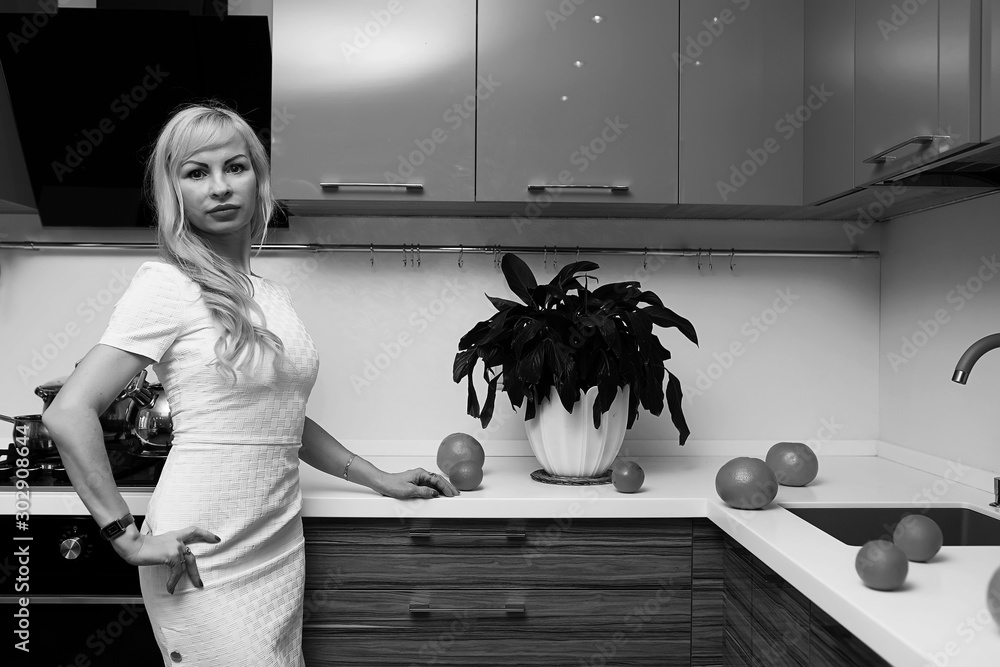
<point x="496" y="554"/>
<point x="511" y="627"/>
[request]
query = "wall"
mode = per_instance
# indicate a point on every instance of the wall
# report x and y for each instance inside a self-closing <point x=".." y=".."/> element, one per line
<point x="939" y="295"/>
<point x="388" y="334"/>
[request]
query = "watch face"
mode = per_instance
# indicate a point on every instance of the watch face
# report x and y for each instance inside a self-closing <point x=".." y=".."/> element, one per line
<point x="116" y="527"/>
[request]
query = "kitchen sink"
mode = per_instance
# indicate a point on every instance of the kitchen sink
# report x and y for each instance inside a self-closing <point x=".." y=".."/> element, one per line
<point x="960" y="526"/>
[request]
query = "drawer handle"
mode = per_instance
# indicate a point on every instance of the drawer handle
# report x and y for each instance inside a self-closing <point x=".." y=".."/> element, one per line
<point x="409" y="186"/>
<point x="546" y="186"/>
<point x="883" y="157"/>
<point x="423" y="608"/>
<point x="427" y="533"/>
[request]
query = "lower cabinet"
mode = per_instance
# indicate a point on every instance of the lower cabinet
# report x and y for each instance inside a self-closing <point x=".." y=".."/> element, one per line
<point x="768" y="622"/>
<point x="574" y="592"/>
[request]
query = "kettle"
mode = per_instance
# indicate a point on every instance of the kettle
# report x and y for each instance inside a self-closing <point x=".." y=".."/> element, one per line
<point x="150" y="431"/>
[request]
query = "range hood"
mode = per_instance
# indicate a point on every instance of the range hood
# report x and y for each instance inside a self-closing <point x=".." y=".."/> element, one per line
<point x="974" y="166"/>
<point x="88" y="91"/>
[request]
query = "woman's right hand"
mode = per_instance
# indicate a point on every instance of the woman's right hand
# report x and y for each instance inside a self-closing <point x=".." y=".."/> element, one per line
<point x="169" y="548"/>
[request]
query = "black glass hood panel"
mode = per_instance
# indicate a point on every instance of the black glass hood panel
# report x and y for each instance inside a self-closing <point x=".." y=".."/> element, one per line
<point x="90" y="89"/>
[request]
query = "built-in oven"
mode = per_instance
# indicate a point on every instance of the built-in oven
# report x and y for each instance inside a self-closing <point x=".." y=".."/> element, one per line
<point x="67" y="599"/>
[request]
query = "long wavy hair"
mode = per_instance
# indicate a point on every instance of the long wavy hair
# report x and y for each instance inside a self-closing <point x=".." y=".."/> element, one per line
<point x="226" y="292"/>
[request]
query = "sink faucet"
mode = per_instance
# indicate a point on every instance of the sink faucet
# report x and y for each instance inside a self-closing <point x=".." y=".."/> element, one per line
<point x="971" y="356"/>
<point x="961" y="376"/>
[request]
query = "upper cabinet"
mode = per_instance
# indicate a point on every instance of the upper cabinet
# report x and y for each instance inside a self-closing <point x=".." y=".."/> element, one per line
<point x="917" y="83"/>
<point x="742" y="103"/>
<point x="991" y="70"/>
<point x="376" y="100"/>
<point x="582" y="101"/>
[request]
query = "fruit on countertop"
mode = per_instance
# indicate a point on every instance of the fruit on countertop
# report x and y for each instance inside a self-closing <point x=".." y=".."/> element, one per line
<point x="993" y="596"/>
<point x="466" y="475"/>
<point x="918" y="536"/>
<point x="881" y="565"/>
<point x="627" y="476"/>
<point x="793" y="463"/>
<point x="746" y="483"/>
<point x="459" y="447"/>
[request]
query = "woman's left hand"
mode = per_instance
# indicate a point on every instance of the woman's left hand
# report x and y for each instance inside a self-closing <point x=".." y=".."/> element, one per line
<point x="417" y="483"/>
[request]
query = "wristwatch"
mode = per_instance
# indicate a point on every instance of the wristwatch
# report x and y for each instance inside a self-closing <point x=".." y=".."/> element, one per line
<point x="117" y="527"/>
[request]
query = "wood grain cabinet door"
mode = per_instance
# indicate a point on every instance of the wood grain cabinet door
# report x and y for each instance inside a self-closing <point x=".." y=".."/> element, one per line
<point x="374" y="93"/>
<point x="585" y="94"/>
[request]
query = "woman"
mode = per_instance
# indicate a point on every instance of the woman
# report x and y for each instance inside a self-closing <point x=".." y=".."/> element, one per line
<point x="221" y="549"/>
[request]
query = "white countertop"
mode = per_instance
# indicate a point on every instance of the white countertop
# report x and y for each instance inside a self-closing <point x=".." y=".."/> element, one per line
<point x="939" y="617"/>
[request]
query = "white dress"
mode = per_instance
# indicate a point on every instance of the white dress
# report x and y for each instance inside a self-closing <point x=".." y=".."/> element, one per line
<point x="232" y="469"/>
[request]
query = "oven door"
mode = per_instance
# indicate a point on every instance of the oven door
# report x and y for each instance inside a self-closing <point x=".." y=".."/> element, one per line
<point x="67" y="599"/>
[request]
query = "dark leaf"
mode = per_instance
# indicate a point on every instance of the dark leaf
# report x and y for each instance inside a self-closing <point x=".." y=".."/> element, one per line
<point x="641" y="329"/>
<point x="529" y="368"/>
<point x="519" y="277"/>
<point x="491" y="395"/>
<point x="526" y="334"/>
<point x="650" y="298"/>
<point x="502" y="304"/>
<point x="567" y="272"/>
<point x="474" y="334"/>
<point x="472" y="408"/>
<point x="462" y="364"/>
<point x="664" y="317"/>
<point x="615" y="291"/>
<point x="674" y="396"/>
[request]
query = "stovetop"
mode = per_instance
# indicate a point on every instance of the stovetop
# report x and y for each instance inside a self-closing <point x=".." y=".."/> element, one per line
<point x="45" y="469"/>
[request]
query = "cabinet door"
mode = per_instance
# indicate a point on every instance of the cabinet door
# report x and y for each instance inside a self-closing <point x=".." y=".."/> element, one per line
<point x="917" y="83"/>
<point x="991" y="70"/>
<point x="741" y="88"/>
<point x="585" y="95"/>
<point x="828" y="150"/>
<point x="374" y="92"/>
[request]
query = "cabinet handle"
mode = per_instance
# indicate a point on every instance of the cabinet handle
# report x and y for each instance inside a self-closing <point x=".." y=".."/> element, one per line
<point x="883" y="157"/>
<point x="74" y="599"/>
<point x="423" y="608"/>
<point x="409" y="186"/>
<point x="427" y="533"/>
<point x="545" y="186"/>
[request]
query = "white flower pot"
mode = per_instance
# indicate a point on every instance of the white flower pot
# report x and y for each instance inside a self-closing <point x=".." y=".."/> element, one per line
<point x="567" y="444"/>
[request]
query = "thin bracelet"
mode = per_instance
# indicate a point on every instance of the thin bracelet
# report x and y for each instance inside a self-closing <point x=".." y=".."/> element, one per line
<point x="349" y="462"/>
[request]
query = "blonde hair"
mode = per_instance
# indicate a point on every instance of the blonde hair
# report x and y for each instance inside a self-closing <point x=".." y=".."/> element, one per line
<point x="224" y="289"/>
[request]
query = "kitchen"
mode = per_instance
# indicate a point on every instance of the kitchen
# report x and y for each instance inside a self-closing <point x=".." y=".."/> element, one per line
<point x="837" y="324"/>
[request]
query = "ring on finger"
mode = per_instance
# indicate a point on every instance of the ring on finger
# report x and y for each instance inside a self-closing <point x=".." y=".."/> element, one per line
<point x="187" y="551"/>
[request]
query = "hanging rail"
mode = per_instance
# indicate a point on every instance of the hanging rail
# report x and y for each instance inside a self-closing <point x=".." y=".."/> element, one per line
<point x="462" y="249"/>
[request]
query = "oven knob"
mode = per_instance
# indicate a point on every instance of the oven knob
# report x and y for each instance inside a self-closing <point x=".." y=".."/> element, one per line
<point x="71" y="548"/>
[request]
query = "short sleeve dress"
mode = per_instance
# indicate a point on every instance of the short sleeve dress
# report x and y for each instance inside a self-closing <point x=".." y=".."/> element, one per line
<point x="232" y="469"/>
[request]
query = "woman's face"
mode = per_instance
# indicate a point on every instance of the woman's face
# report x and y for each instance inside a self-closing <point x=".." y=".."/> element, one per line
<point x="219" y="189"/>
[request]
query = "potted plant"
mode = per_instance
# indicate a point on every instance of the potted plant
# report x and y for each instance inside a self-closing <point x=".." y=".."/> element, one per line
<point x="580" y="361"/>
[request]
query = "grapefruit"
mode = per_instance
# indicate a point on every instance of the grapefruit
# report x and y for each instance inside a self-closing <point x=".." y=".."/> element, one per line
<point x="746" y="483"/>
<point x="881" y="565"/>
<point x="993" y="596"/>
<point x="627" y="476"/>
<point x="918" y="536"/>
<point x="459" y="447"/>
<point x="793" y="463"/>
<point x="466" y="475"/>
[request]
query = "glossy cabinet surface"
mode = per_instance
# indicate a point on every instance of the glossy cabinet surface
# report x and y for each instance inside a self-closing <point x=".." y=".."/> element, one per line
<point x="583" y="94"/>
<point x="828" y="149"/>
<point x="741" y="86"/>
<point x="991" y="70"/>
<point x="374" y="92"/>
<point x="917" y="75"/>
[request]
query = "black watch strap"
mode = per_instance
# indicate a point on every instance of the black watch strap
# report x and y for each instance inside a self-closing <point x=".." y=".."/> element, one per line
<point x="117" y="527"/>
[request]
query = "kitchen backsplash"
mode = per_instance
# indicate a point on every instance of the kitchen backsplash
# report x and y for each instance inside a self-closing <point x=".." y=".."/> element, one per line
<point x="788" y="346"/>
<point x="941" y="293"/>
